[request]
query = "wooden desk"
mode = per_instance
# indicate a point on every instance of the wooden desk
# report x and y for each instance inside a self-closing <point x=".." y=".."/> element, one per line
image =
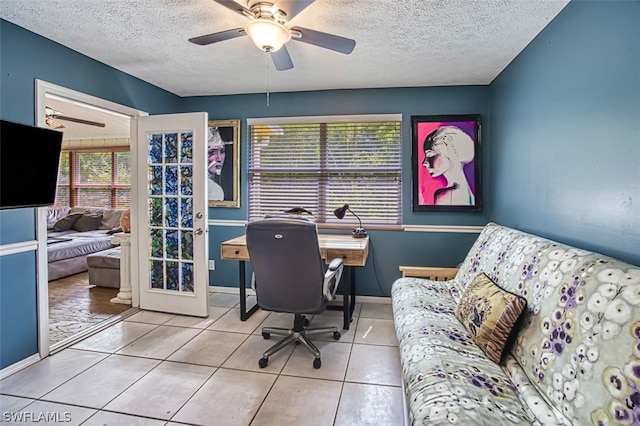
<point x="353" y="251"/>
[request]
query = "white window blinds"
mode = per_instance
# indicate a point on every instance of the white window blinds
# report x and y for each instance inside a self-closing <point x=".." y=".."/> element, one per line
<point x="95" y="179"/>
<point x="321" y="163"/>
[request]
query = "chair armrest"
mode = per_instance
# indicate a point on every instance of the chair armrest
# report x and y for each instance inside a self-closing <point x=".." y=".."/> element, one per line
<point x="332" y="278"/>
<point x="429" y="272"/>
<point x="335" y="263"/>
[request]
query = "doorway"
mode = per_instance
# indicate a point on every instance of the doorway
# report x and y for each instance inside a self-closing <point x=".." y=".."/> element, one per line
<point x="80" y="114"/>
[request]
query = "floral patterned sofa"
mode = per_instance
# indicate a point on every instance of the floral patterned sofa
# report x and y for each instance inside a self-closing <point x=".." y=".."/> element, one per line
<point x="576" y="355"/>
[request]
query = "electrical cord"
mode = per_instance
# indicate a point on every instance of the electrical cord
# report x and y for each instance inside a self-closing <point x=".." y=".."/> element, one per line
<point x="375" y="270"/>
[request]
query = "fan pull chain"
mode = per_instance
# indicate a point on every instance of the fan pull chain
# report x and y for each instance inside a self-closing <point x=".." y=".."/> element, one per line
<point x="267" y="56"/>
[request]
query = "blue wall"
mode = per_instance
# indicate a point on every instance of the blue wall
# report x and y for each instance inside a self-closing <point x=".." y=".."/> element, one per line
<point x="561" y="140"/>
<point x="25" y="57"/>
<point x="18" y="318"/>
<point x="18" y="303"/>
<point x="390" y="248"/>
<point x="565" y="131"/>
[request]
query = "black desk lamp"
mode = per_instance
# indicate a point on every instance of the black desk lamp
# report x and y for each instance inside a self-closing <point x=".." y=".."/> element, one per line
<point x="359" y="232"/>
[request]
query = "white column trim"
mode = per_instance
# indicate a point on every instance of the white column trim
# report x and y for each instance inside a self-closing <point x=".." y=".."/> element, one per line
<point x="222" y="222"/>
<point x="455" y="229"/>
<point x="443" y="228"/>
<point x="20" y="247"/>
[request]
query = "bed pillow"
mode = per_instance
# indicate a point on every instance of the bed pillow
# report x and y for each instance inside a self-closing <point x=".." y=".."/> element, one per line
<point x="66" y="222"/>
<point x="54" y="214"/>
<point x="491" y="315"/>
<point x="87" y="222"/>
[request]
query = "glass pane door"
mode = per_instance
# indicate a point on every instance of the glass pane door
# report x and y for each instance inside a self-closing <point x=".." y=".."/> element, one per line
<point x="173" y="249"/>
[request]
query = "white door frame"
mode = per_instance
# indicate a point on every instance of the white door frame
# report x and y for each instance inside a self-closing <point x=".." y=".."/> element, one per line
<point x="42" y="89"/>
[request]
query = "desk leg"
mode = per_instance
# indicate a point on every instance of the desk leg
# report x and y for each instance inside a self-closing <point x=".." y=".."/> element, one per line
<point x="348" y="297"/>
<point x="352" y="282"/>
<point x="244" y="314"/>
<point x="346" y="290"/>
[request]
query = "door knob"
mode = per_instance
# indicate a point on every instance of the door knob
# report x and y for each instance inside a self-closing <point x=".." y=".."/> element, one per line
<point x="199" y="215"/>
<point x="199" y="231"/>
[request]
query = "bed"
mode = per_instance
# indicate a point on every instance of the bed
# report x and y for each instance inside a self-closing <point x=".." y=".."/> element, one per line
<point x="68" y="245"/>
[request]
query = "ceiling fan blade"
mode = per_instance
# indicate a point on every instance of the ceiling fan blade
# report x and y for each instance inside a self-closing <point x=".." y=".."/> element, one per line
<point x="53" y="123"/>
<point x="77" y="120"/>
<point x="216" y="37"/>
<point x="325" y="40"/>
<point x="281" y="59"/>
<point x="232" y="5"/>
<point x="292" y="7"/>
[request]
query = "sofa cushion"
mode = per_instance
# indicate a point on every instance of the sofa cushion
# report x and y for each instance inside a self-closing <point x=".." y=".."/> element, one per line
<point x="490" y="314"/>
<point x="109" y="258"/>
<point x="66" y="222"/>
<point x="87" y="222"/>
<point x="54" y="214"/>
<point x="110" y="217"/>
<point x="447" y="378"/>
<point x="579" y="344"/>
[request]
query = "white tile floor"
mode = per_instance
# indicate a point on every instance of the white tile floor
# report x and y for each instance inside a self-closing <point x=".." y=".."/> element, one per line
<point x="160" y="369"/>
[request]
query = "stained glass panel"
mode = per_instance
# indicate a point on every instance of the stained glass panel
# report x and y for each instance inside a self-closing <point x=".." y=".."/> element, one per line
<point x="186" y="184"/>
<point x="173" y="276"/>
<point x="171" y="248"/>
<point x="171" y="148"/>
<point x="157" y="240"/>
<point x="171" y="180"/>
<point x="186" y="148"/>
<point x="187" y="245"/>
<point x="155" y="180"/>
<point x="186" y="212"/>
<point x="155" y="211"/>
<point x="171" y="212"/>
<point x="156" y="274"/>
<point x="187" y="277"/>
<point x="170" y="165"/>
<point x="155" y="149"/>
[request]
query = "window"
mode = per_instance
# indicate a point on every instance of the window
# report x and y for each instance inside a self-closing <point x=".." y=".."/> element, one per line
<point x="95" y="179"/>
<point x="321" y="163"/>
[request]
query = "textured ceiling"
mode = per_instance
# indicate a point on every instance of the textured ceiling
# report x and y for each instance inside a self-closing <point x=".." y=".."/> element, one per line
<point x="400" y="43"/>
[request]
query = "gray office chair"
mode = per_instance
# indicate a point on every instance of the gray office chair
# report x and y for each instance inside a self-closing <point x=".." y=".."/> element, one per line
<point x="290" y="276"/>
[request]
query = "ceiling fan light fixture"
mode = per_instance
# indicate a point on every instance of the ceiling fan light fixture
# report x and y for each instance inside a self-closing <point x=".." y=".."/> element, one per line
<point x="268" y="35"/>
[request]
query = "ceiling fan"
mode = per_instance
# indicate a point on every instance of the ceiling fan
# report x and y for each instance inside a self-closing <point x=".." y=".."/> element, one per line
<point x="52" y="116"/>
<point x="267" y="29"/>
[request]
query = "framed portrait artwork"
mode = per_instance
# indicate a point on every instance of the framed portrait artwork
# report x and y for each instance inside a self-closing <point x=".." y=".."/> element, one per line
<point x="223" y="163"/>
<point x="446" y="160"/>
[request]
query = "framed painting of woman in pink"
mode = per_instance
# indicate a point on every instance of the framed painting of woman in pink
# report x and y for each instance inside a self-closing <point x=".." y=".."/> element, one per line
<point x="446" y="161"/>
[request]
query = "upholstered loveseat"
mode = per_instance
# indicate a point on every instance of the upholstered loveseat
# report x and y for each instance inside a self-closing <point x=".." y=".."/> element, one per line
<point x="74" y="233"/>
<point x="575" y="357"/>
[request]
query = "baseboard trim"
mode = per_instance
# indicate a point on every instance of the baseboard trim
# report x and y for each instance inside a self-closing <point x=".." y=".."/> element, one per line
<point x="444" y="228"/>
<point x="14" y="368"/>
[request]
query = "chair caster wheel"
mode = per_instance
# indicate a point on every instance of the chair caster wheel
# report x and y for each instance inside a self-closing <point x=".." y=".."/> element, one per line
<point x="264" y="361"/>
<point x="317" y="363"/>
<point x="266" y="335"/>
<point x="336" y="335"/>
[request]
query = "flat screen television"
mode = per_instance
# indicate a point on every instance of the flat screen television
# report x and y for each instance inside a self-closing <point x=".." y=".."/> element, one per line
<point x="29" y="160"/>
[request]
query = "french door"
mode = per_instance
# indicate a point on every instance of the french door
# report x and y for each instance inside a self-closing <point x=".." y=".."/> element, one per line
<point x="170" y="221"/>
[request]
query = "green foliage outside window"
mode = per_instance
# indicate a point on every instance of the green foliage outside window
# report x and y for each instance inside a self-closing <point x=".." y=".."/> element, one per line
<point x="94" y="179"/>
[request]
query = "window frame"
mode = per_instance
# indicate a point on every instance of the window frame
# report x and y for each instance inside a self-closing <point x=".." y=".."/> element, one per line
<point x="73" y="186"/>
<point x="323" y="219"/>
